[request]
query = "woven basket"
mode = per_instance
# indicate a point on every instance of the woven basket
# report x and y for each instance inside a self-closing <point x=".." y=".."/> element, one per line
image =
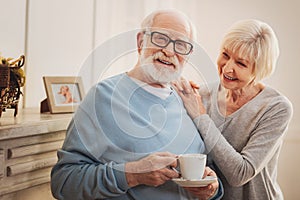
<point x="10" y="88"/>
<point x="4" y="76"/>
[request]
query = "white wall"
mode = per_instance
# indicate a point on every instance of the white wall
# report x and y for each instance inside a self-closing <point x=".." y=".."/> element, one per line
<point x="59" y="35"/>
<point x="12" y="30"/>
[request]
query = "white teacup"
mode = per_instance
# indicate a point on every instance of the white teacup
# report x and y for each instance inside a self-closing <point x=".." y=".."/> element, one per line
<point x="192" y="166"/>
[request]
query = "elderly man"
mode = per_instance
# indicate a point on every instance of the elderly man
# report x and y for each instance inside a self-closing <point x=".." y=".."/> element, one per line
<point x="124" y="138"/>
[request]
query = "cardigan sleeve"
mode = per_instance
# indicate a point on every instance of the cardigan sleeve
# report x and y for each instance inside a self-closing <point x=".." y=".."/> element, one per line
<point x="264" y="141"/>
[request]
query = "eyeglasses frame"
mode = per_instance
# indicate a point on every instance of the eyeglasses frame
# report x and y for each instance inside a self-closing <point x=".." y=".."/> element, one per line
<point x="151" y="33"/>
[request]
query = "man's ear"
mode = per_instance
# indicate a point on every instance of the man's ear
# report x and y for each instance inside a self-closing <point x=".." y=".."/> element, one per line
<point x="140" y="41"/>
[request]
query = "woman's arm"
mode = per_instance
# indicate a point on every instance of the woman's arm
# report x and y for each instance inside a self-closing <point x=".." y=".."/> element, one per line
<point x="240" y="166"/>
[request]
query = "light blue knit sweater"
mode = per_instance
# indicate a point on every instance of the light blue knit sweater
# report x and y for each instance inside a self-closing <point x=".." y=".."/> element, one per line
<point x="118" y="122"/>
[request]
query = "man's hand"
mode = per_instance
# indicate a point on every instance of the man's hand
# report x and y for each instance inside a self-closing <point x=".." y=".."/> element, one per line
<point x="208" y="191"/>
<point x="152" y="170"/>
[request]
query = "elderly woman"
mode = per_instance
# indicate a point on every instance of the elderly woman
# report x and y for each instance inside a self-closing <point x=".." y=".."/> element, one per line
<point x="241" y="120"/>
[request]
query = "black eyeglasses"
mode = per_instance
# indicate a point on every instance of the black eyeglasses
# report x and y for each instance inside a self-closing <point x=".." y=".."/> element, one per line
<point x="162" y="40"/>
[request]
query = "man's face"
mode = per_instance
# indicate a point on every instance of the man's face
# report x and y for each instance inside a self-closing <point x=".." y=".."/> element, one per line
<point x="159" y="67"/>
<point x="163" y="65"/>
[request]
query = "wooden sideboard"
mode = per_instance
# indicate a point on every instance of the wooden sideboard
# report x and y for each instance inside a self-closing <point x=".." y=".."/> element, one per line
<point x="28" y="145"/>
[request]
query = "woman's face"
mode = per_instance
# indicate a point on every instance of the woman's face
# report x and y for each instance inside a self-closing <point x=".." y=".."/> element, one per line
<point x="235" y="72"/>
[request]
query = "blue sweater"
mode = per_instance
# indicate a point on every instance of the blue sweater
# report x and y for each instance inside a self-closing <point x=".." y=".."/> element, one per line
<point x="117" y="122"/>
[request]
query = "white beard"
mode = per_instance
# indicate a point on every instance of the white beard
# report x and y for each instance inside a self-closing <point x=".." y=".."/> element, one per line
<point x="162" y="75"/>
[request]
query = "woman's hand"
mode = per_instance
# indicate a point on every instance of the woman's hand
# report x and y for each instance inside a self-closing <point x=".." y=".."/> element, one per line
<point x="208" y="191"/>
<point x="188" y="91"/>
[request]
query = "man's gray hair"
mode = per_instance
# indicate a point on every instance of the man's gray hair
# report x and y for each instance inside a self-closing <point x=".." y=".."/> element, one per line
<point x="148" y="21"/>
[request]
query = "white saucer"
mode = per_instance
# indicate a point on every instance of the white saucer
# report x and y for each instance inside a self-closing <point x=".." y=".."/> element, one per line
<point x="194" y="183"/>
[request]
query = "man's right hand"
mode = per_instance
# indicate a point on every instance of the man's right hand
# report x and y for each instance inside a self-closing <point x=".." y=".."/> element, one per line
<point x="152" y="170"/>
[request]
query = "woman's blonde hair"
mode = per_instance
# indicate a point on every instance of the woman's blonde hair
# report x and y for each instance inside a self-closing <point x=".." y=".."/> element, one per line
<point x="255" y="41"/>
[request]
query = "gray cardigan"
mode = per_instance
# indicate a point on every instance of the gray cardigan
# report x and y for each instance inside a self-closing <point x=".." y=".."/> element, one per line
<point x="245" y="145"/>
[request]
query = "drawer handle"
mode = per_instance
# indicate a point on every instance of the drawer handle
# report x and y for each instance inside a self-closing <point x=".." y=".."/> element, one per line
<point x="30" y="166"/>
<point x="33" y="149"/>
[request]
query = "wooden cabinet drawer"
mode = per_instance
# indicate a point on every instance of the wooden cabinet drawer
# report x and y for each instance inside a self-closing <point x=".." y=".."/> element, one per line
<point x="27" y="161"/>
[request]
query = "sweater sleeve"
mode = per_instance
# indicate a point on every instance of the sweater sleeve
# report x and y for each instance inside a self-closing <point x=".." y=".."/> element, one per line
<point x="264" y="141"/>
<point x="79" y="175"/>
<point x="81" y="171"/>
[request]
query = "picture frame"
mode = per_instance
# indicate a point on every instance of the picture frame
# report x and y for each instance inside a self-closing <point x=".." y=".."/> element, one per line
<point x="64" y="94"/>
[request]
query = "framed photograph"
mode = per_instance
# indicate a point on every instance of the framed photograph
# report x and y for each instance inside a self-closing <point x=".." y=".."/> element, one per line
<point x="64" y="94"/>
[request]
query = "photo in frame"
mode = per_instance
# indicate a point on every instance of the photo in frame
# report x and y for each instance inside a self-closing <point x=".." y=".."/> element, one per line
<point x="64" y="94"/>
